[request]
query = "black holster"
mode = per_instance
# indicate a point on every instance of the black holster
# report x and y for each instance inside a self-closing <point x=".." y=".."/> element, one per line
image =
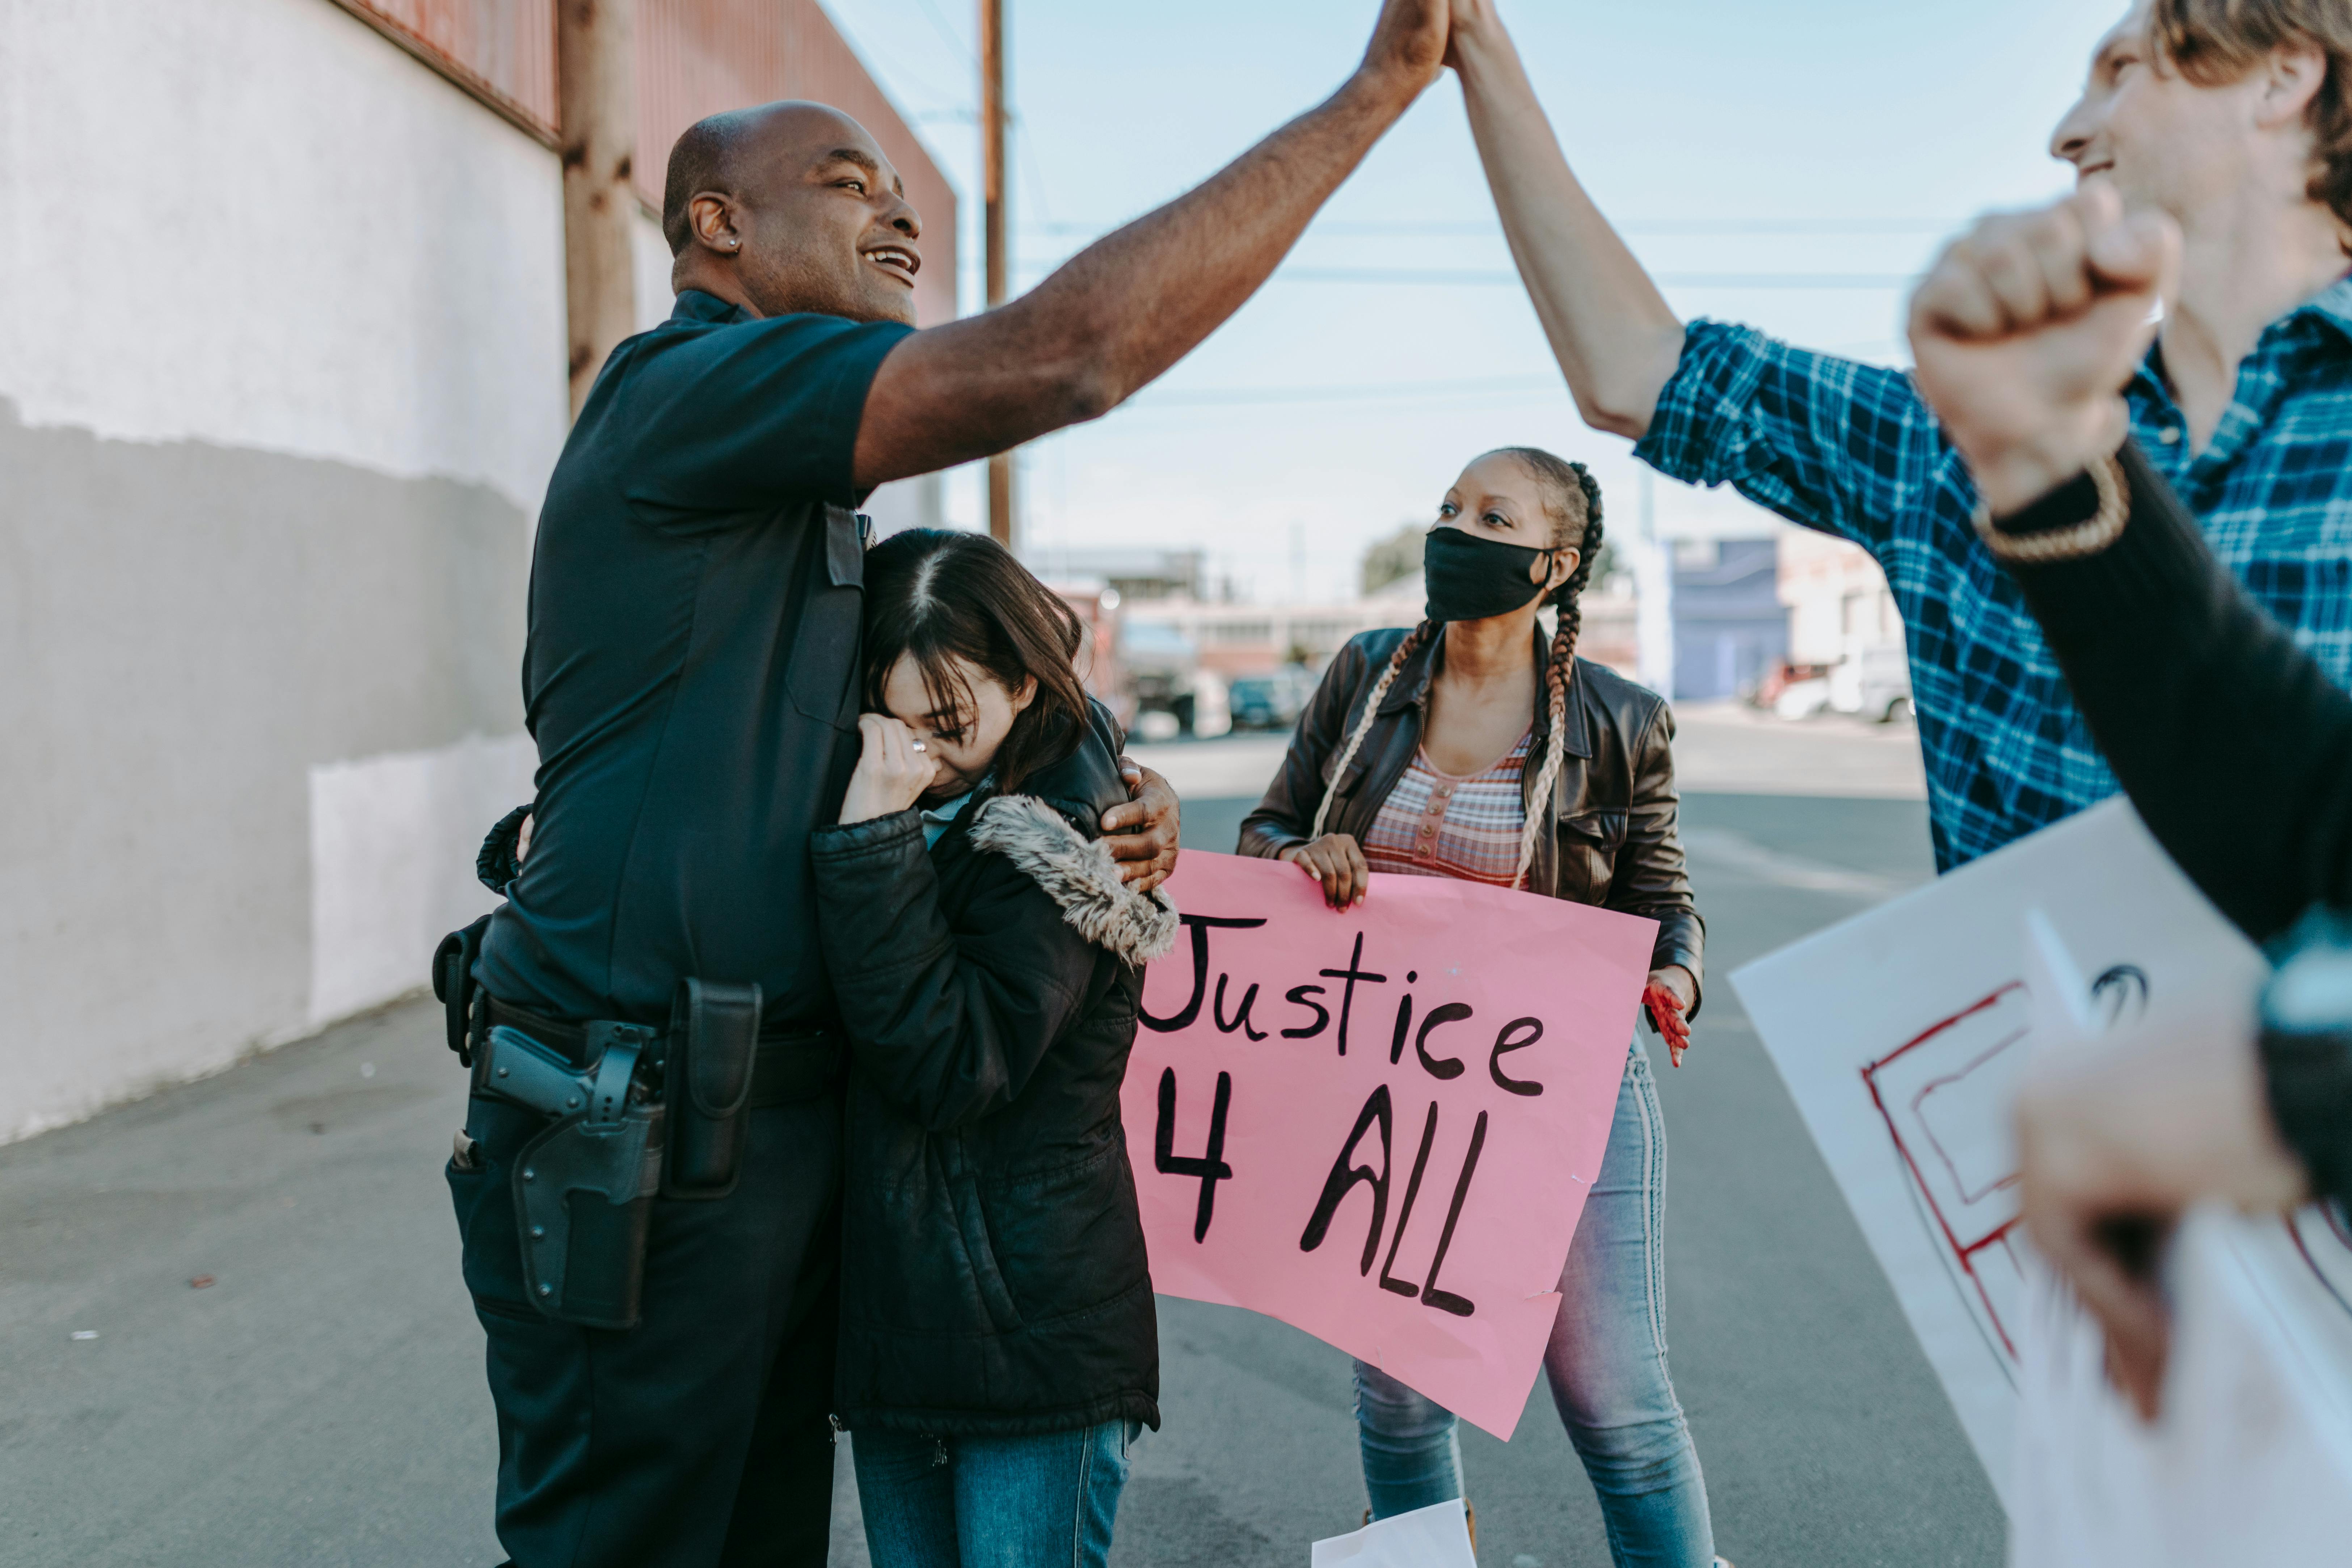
<point x="584" y="1187"/>
<point x="714" y="1035"/>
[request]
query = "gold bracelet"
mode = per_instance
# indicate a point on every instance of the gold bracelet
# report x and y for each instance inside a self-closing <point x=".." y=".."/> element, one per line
<point x="2087" y="538"/>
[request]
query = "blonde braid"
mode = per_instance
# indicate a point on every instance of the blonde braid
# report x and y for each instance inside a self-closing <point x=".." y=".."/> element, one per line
<point x="1567" y="603"/>
<point x="1405" y="650"/>
<point x="1563" y="658"/>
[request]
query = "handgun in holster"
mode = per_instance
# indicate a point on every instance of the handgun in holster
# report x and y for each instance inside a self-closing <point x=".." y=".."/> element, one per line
<point x="639" y="1114"/>
<point x="585" y="1185"/>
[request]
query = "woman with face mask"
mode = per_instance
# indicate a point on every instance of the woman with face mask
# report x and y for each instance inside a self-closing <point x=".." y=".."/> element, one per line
<point x="1473" y="746"/>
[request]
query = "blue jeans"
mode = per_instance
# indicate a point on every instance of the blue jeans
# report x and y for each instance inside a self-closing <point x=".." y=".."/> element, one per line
<point x="992" y="1502"/>
<point x="1606" y="1364"/>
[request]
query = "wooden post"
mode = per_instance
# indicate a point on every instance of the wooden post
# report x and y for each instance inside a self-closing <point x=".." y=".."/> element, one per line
<point x="991" y="158"/>
<point x="596" y="101"/>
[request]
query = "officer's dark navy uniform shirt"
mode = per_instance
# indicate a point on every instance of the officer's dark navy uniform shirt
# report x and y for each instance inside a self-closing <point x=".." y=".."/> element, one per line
<point x="690" y="675"/>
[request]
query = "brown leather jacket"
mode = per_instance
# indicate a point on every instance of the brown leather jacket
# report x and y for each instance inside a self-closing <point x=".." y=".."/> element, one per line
<point x="1613" y="807"/>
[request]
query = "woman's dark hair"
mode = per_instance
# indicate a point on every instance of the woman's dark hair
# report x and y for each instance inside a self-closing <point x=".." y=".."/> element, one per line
<point x="1572" y="503"/>
<point x="936" y="596"/>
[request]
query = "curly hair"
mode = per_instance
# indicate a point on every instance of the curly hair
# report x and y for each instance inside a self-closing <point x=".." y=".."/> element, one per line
<point x="1572" y="501"/>
<point x="2213" y="42"/>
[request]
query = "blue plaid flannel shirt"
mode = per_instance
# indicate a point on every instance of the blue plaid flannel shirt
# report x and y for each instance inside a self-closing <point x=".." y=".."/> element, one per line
<point x="1852" y="451"/>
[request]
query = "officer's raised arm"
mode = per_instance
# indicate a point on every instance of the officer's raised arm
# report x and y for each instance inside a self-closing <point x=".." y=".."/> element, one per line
<point x="1123" y="311"/>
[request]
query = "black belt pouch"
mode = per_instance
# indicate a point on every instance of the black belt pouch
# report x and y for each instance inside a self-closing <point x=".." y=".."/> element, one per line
<point x="714" y="1033"/>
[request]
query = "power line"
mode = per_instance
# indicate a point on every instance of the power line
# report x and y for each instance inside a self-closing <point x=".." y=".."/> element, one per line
<point x="954" y="41"/>
<point x="1464" y="276"/>
<point x="1358" y="392"/>
<point x="1440" y="229"/>
<point x="1451" y="276"/>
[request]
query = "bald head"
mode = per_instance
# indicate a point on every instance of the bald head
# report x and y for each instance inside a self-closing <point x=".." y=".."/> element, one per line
<point x="787" y="208"/>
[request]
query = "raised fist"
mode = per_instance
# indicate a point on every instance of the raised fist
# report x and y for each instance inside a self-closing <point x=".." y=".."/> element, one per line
<point x="2027" y="329"/>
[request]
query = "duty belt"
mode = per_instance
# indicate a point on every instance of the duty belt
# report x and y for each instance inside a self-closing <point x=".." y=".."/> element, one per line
<point x="787" y="1067"/>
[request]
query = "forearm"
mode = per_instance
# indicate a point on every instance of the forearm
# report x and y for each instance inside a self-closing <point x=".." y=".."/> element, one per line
<point x="2230" y="738"/>
<point x="1282" y="814"/>
<point x="1616" y="339"/>
<point x="1124" y="310"/>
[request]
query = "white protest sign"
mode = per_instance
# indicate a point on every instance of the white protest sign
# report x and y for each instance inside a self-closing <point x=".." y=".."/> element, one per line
<point x="1434" y="1537"/>
<point x="1900" y="1034"/>
<point x="2251" y="1460"/>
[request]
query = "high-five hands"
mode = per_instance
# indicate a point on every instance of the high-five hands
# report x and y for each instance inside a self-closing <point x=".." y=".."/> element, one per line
<point x="1409" y="43"/>
<point x="893" y="771"/>
<point x="1475" y="21"/>
<point x="2027" y="329"/>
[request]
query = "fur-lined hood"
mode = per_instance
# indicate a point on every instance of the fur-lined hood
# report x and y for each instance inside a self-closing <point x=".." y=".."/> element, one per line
<point x="1081" y="876"/>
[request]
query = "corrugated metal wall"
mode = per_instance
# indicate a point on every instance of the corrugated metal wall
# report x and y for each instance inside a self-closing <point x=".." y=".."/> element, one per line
<point x="694" y="57"/>
<point x="502" y="49"/>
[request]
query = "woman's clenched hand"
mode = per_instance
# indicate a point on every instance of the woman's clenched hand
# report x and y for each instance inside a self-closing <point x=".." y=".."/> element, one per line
<point x="1337" y="861"/>
<point x="893" y="771"/>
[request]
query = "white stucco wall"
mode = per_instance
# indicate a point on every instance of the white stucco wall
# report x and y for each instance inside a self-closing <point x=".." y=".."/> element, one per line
<point x="260" y="224"/>
<point x="281" y="380"/>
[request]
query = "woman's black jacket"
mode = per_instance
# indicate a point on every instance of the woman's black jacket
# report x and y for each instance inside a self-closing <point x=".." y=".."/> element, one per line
<point x="1613" y="811"/>
<point x="993" y="1279"/>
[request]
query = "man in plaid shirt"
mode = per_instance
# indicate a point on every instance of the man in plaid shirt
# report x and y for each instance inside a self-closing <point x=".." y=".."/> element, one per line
<point x="2233" y="116"/>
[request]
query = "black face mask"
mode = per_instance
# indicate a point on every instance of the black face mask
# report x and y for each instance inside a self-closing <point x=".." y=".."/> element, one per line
<point x="1470" y="579"/>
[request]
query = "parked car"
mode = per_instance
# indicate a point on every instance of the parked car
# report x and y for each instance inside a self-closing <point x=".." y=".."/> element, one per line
<point x="1161" y="674"/>
<point x="1872" y="683"/>
<point x="1271" y="701"/>
<point x="1880" y="684"/>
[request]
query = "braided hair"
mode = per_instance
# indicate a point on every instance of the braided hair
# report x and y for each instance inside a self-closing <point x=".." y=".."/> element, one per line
<point x="1572" y="501"/>
<point x="1415" y="640"/>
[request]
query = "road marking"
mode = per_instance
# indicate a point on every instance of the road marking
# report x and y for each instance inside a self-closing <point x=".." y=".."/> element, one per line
<point x="1735" y="852"/>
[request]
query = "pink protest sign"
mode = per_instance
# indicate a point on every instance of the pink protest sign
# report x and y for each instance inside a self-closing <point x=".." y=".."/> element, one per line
<point x="1381" y="1125"/>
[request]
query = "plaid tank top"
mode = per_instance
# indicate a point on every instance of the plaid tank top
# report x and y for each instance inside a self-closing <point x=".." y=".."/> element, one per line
<point x="1434" y="824"/>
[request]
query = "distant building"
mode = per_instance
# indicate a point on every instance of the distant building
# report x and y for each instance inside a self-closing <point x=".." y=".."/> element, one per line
<point x="1731" y="629"/>
<point x="1236" y="640"/>
<point x="1842" y="621"/>
<point x="1258" y="639"/>
<point x="1609" y="626"/>
<point x="1838" y="601"/>
<point x="1135" y="573"/>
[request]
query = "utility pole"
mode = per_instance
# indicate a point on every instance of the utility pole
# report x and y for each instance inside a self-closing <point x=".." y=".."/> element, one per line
<point x="992" y="159"/>
<point x="1653" y="604"/>
<point x="596" y="102"/>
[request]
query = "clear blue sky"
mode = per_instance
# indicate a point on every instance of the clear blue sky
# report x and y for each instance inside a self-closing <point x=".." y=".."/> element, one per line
<point x="1802" y="139"/>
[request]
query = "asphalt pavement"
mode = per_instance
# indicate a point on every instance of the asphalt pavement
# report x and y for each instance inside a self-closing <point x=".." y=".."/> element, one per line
<point x="317" y="1400"/>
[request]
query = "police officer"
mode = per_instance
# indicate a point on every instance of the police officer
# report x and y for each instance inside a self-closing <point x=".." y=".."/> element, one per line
<point x="690" y="680"/>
